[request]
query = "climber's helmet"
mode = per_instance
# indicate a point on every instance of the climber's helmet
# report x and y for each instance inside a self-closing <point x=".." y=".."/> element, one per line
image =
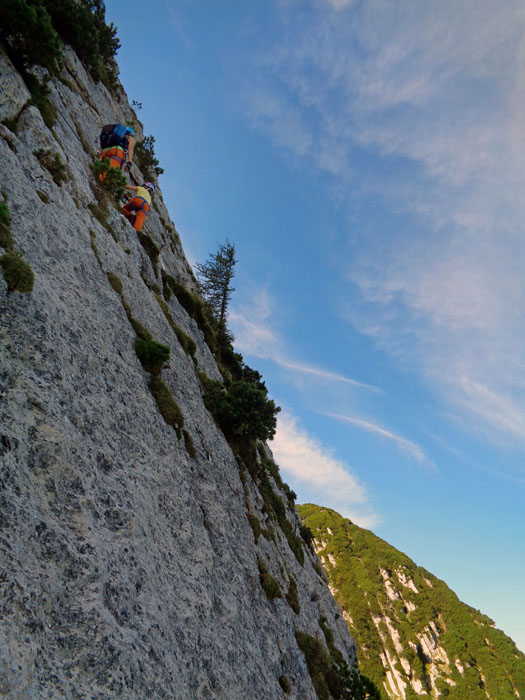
<point x="129" y="131"/>
<point x="150" y="186"/>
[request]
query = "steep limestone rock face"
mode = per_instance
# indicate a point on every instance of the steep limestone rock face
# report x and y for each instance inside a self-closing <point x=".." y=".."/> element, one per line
<point x="129" y="567"/>
<point x="415" y="638"/>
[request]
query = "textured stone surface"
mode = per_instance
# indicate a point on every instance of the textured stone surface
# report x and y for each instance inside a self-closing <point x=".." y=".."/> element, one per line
<point x="128" y="569"/>
<point x="14" y="94"/>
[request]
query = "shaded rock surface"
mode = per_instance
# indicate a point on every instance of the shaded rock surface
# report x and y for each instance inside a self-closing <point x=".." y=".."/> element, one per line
<point x="128" y="568"/>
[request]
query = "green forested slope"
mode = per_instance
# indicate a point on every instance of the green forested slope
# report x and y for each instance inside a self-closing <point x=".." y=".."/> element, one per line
<point x="414" y="636"/>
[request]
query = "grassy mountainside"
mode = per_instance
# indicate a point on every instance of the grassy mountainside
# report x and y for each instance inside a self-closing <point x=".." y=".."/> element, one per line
<point x="414" y="636"/>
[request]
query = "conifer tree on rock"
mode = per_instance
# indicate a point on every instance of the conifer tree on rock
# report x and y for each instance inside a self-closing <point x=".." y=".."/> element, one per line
<point x="215" y="277"/>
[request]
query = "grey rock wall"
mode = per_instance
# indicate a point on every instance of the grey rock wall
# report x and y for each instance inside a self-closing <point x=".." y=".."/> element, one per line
<point x="128" y="569"/>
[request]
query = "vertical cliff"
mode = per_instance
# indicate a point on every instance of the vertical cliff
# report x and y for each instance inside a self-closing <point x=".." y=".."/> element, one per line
<point x="139" y="557"/>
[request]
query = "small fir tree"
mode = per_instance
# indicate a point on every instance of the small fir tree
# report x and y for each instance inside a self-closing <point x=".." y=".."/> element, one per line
<point x="215" y="277"/>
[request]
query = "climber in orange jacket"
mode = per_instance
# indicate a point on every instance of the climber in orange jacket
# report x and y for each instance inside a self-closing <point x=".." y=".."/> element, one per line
<point x="137" y="208"/>
<point x="117" y="143"/>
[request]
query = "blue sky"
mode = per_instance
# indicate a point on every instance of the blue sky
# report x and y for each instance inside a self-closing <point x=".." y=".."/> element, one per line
<point x="366" y="158"/>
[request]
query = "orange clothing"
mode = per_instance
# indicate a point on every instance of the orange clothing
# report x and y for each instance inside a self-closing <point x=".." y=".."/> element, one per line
<point x="136" y="211"/>
<point x="116" y="157"/>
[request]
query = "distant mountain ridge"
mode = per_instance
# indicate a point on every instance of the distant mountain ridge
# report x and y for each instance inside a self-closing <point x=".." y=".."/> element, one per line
<point x="415" y="637"/>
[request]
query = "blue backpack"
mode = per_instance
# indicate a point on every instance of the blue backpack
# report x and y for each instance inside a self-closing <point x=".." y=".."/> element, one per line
<point x="114" y="135"/>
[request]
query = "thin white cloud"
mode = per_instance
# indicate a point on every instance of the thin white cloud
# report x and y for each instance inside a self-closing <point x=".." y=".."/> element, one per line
<point x="496" y="409"/>
<point x="407" y="446"/>
<point x="274" y="115"/>
<point x="339" y="4"/>
<point x="255" y="336"/>
<point x="320" y="373"/>
<point x="309" y="465"/>
<point x="177" y="23"/>
<point x="429" y="99"/>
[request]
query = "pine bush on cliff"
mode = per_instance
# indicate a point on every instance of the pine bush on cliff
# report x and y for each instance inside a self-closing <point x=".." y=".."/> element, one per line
<point x="276" y="509"/>
<point x="82" y="24"/>
<point x="292" y="597"/>
<point x="320" y="667"/>
<point x="189" y="345"/>
<point x="34" y="30"/>
<point x="241" y="409"/>
<point x="215" y="276"/>
<point x="28" y="32"/>
<point x="146" y="159"/>
<point x="331" y="676"/>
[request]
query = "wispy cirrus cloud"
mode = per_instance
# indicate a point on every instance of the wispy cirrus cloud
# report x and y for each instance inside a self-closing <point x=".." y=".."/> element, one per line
<point x="320" y="373"/>
<point x="407" y="446"/>
<point x="498" y="409"/>
<point x="312" y="466"/>
<point x="420" y="106"/>
<point x="340" y="4"/>
<point x="254" y="335"/>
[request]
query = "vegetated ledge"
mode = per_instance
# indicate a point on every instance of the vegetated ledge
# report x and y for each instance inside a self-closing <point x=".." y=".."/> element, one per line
<point x="17" y="274"/>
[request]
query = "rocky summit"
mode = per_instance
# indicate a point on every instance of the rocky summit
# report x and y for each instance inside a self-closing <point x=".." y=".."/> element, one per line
<point x="141" y="554"/>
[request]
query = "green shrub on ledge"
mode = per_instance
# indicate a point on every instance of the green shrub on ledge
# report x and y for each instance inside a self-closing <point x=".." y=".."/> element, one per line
<point x="188" y="443"/>
<point x="307" y="536"/>
<point x="193" y="305"/>
<point x="152" y="251"/>
<point x="17" y="273"/>
<point x="115" y="282"/>
<point x="167" y="405"/>
<point x="270" y="586"/>
<point x="40" y="99"/>
<point x="255" y="525"/>
<point x="4" y="214"/>
<point x="285" y="684"/>
<point x="52" y="162"/>
<point x="292" y="597"/>
<point x="320" y="667"/>
<point x="6" y="238"/>
<point x="33" y="31"/>
<point x="152" y="355"/>
<point x="114" y="181"/>
<point x="139" y="328"/>
<point x="146" y="160"/>
<point x="189" y="345"/>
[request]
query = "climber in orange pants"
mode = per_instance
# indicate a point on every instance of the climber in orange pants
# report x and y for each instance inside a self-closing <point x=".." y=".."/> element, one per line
<point x="138" y="207"/>
<point x="117" y="142"/>
<point x="115" y="155"/>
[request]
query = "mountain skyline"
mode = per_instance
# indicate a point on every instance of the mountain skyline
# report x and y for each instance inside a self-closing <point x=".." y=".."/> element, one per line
<point x="414" y="636"/>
